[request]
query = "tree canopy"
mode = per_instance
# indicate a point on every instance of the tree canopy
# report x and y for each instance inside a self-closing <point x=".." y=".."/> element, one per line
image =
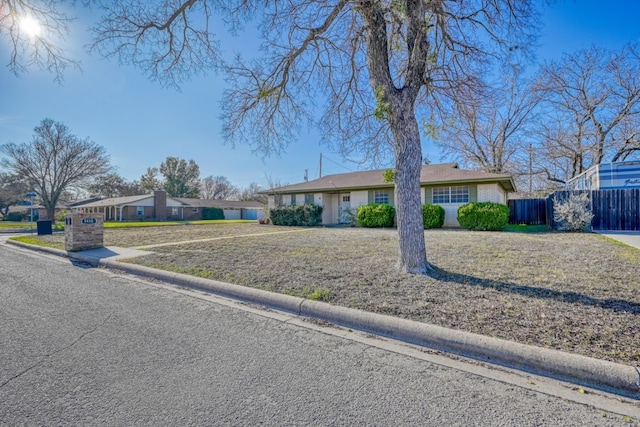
<point x="181" y="178"/>
<point x="114" y="185"/>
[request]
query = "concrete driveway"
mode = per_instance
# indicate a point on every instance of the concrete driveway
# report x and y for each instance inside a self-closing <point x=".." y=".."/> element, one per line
<point x="631" y="238"/>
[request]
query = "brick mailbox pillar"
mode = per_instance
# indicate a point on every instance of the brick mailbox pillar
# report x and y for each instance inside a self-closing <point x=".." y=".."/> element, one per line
<point x="83" y="231"/>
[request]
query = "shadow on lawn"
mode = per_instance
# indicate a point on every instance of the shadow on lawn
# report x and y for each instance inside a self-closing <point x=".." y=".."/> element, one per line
<point x="536" y="292"/>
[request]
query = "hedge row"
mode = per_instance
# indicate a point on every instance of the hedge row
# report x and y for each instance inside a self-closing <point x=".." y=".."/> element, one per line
<point x="472" y="216"/>
<point x="483" y="216"/>
<point x="304" y="215"/>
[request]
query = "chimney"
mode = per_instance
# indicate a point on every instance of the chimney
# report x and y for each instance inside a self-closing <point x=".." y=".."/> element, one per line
<point x="160" y="204"/>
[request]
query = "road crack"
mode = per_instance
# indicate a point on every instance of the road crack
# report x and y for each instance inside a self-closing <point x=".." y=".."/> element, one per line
<point x="47" y="356"/>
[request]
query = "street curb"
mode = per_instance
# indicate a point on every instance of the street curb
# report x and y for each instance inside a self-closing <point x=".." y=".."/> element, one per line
<point x="603" y="375"/>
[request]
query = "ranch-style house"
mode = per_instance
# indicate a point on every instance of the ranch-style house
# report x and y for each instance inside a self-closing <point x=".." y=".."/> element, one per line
<point x="443" y="184"/>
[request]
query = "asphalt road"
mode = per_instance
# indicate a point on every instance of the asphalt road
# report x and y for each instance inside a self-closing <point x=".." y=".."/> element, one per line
<point x="82" y="346"/>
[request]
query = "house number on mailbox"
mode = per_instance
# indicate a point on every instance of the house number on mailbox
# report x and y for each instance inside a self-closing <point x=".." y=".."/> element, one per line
<point x="89" y="220"/>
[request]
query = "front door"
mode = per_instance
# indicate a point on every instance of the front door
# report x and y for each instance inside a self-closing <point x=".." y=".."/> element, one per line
<point x="344" y="208"/>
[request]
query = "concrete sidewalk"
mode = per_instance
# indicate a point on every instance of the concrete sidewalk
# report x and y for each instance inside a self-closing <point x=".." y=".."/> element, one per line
<point x="631" y="238"/>
<point x="598" y="374"/>
<point x="109" y="252"/>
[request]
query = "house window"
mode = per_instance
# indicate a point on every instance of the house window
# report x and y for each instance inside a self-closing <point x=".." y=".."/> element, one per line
<point x="293" y="200"/>
<point x="174" y="210"/>
<point x="308" y="199"/>
<point x="346" y="198"/>
<point x="458" y="194"/>
<point x="139" y="210"/>
<point x="194" y="210"/>
<point x="381" y="196"/>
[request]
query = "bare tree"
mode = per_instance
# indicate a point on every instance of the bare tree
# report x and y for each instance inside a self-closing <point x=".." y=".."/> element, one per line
<point x="252" y="194"/>
<point x="491" y="132"/>
<point x="592" y="100"/>
<point x="181" y="178"/>
<point x="218" y="188"/>
<point x="55" y="161"/>
<point x="35" y="31"/>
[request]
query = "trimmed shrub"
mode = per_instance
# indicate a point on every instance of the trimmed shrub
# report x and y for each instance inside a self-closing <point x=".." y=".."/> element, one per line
<point x="304" y="215"/>
<point x="376" y="215"/>
<point x="432" y="216"/>
<point x="483" y="216"/>
<point x="15" y="216"/>
<point x="212" y="213"/>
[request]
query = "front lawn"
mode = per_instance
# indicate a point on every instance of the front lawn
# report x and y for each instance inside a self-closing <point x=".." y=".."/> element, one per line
<point x="14" y="224"/>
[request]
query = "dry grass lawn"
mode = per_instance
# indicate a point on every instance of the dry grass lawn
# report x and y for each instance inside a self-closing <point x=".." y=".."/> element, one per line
<point x="573" y="292"/>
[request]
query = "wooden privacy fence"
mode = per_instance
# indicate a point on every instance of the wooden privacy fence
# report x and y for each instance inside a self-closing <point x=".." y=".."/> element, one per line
<point x="612" y="209"/>
<point x="528" y="211"/>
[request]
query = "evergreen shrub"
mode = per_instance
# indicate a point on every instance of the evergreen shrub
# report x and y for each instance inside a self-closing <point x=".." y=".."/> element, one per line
<point x="212" y="213"/>
<point x="483" y="216"/>
<point x="15" y="216"/>
<point x="376" y="215"/>
<point x="302" y="215"/>
<point x="432" y="216"/>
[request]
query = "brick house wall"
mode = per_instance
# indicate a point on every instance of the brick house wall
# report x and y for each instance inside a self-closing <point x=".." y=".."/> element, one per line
<point x="160" y="205"/>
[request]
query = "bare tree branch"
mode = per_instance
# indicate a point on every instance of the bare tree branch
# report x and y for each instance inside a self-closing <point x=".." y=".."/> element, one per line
<point x="170" y="41"/>
<point x="36" y="34"/>
<point x="592" y="114"/>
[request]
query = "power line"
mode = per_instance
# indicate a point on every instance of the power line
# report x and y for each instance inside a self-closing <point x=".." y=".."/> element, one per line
<point x="336" y="163"/>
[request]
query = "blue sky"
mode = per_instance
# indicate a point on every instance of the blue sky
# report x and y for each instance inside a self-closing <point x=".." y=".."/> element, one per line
<point x="140" y="123"/>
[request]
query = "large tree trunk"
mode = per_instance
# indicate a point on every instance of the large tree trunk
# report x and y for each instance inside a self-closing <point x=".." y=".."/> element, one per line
<point x="412" y="254"/>
<point x="397" y="105"/>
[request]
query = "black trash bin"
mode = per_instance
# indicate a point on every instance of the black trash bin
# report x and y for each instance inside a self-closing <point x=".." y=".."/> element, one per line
<point x="44" y="227"/>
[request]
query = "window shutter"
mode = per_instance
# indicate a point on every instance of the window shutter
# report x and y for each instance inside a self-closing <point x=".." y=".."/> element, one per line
<point x="370" y="197"/>
<point x="473" y="193"/>
<point x="428" y="195"/>
<point x="392" y="194"/>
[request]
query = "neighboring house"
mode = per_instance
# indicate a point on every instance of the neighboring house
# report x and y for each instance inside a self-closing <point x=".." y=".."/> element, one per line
<point x="40" y="212"/>
<point x="442" y="184"/>
<point x="160" y="207"/>
<point x="608" y="176"/>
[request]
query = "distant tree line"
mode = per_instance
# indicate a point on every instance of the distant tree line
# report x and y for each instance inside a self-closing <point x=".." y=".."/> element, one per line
<point x="60" y="167"/>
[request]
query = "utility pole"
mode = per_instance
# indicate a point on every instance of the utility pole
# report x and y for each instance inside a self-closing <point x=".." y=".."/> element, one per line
<point x="530" y="169"/>
<point x="320" y="165"/>
<point x="306" y="175"/>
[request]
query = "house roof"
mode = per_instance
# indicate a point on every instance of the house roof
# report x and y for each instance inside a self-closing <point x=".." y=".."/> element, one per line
<point x="444" y="173"/>
<point x="114" y="201"/>
<point x="222" y="204"/>
<point x="83" y="201"/>
<point x="186" y="202"/>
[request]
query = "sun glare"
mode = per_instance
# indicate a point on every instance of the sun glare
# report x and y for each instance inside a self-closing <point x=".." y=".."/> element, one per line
<point x="30" y="26"/>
